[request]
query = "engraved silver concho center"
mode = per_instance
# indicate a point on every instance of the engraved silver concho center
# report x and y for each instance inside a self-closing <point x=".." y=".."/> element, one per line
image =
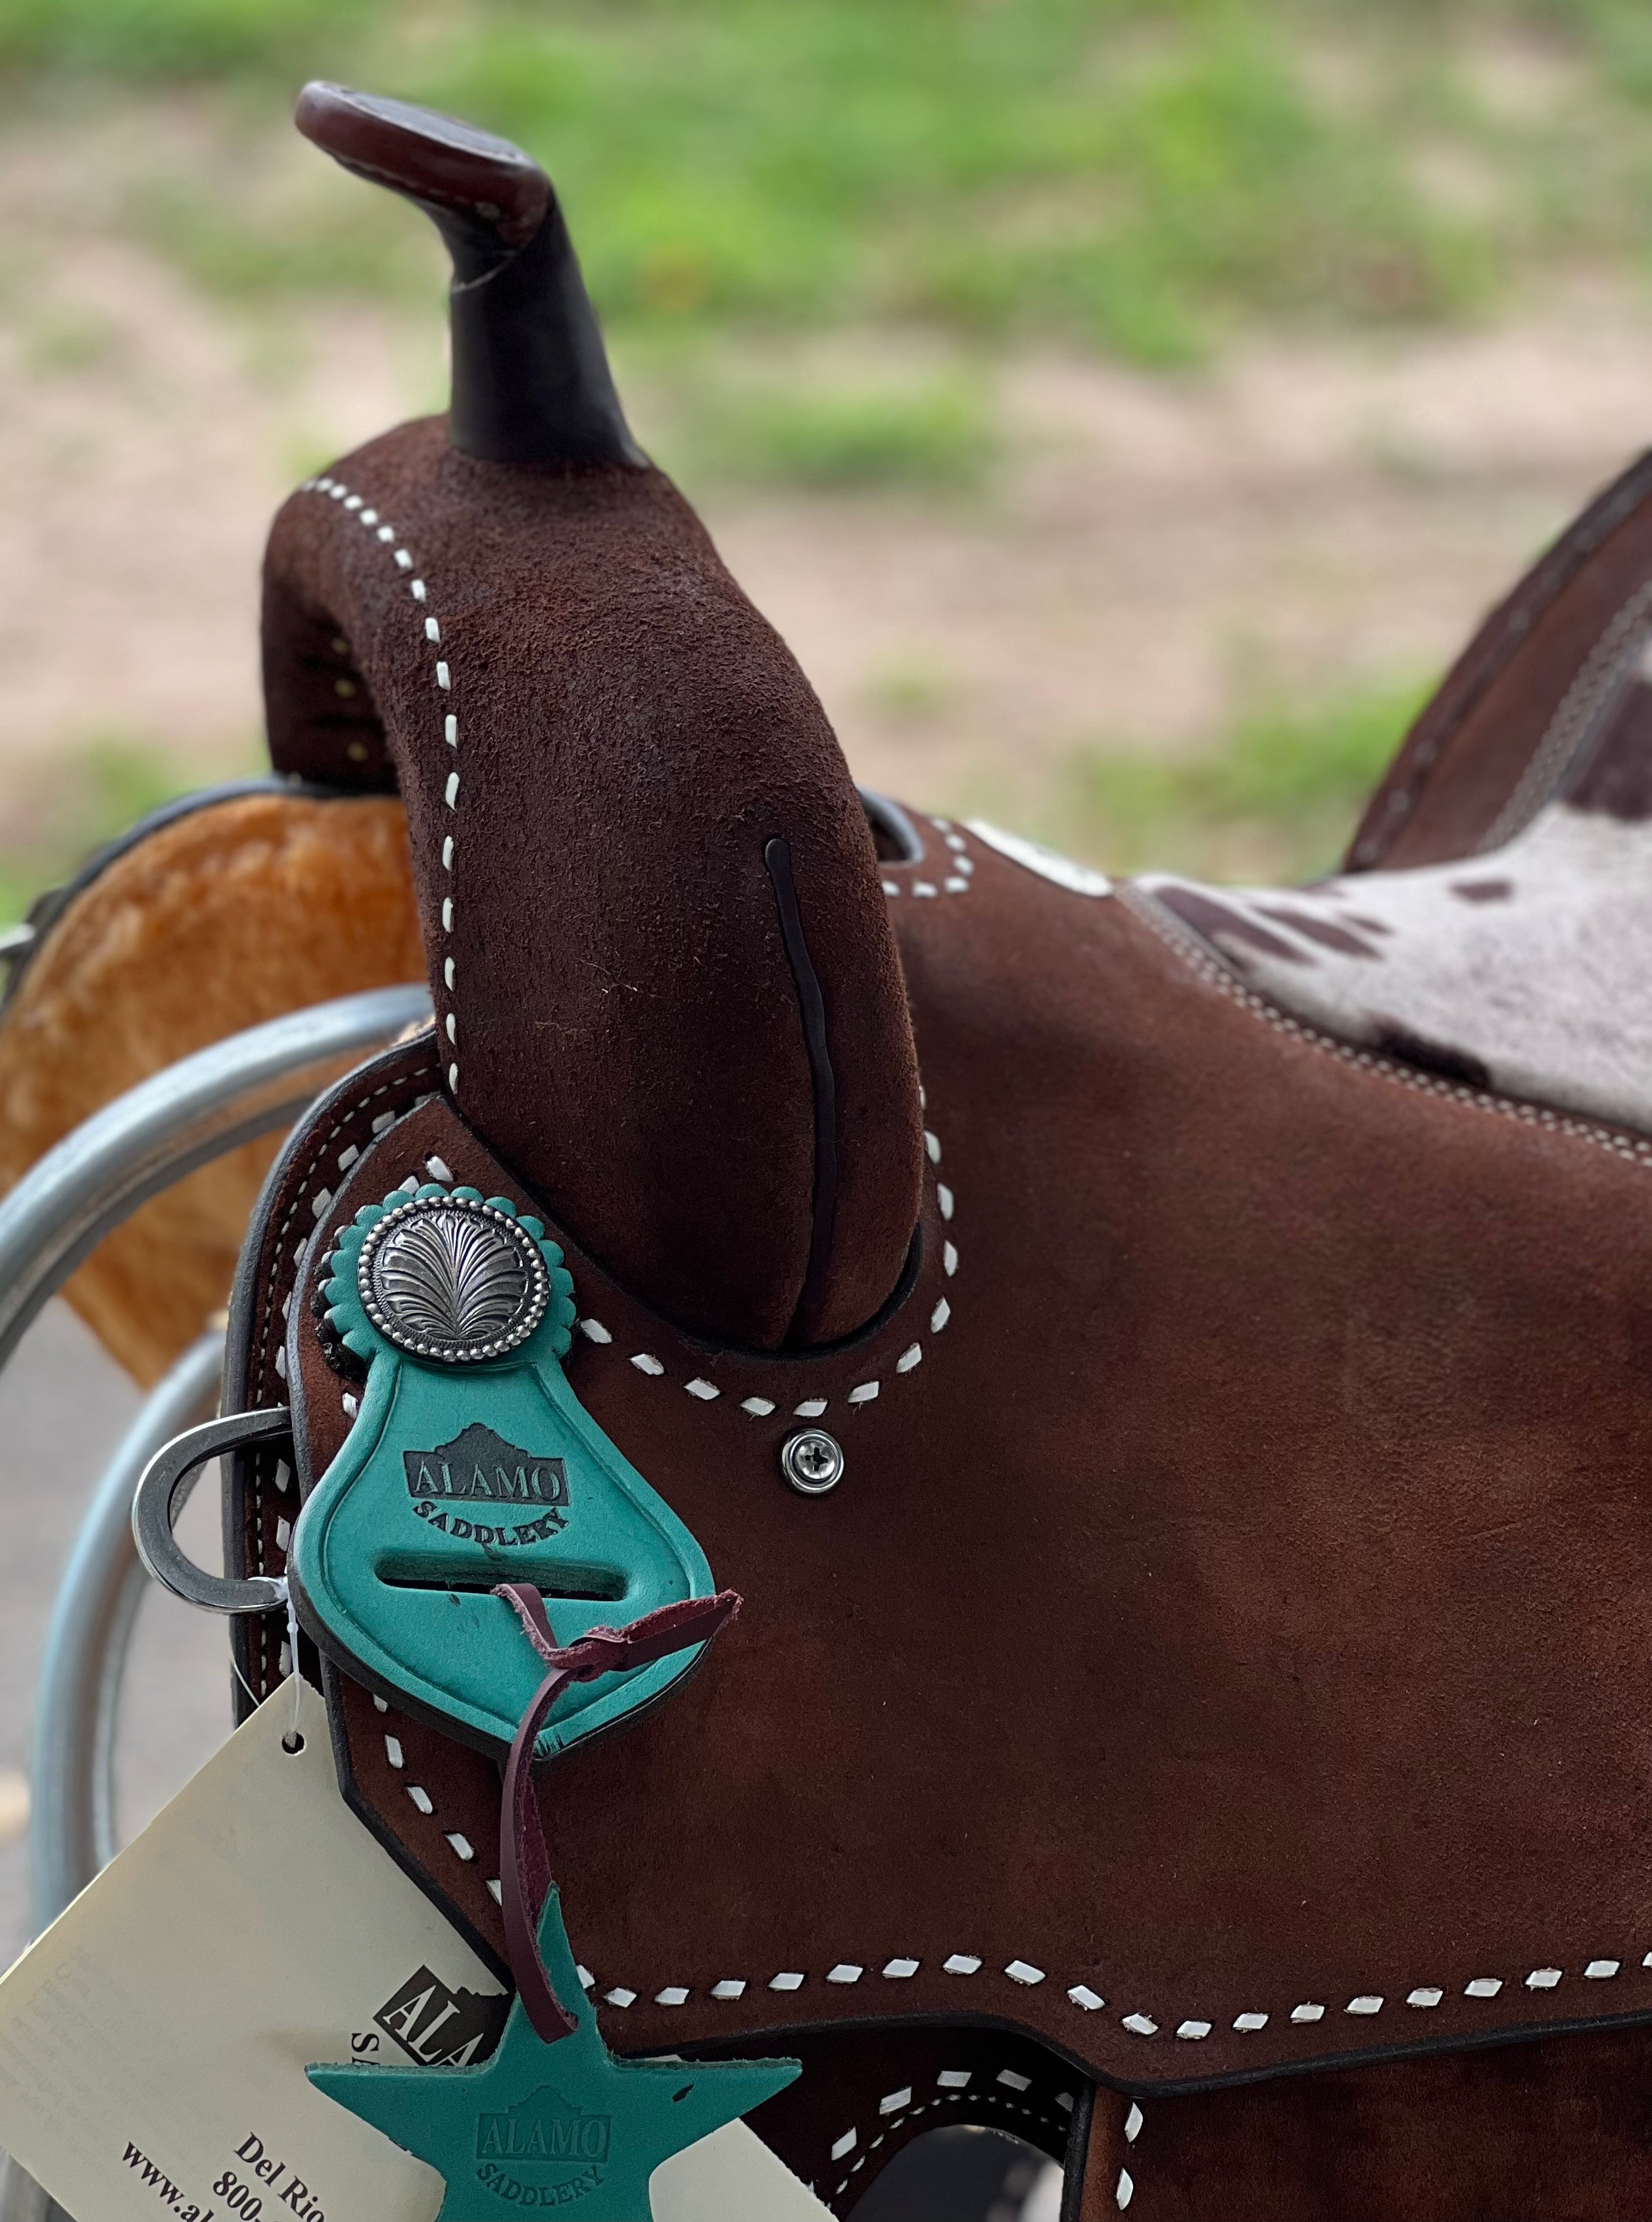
<point x="457" y="1281"/>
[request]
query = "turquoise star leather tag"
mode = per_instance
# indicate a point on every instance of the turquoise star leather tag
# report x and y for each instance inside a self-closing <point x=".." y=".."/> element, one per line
<point x="471" y="1463"/>
<point x="542" y="2127"/>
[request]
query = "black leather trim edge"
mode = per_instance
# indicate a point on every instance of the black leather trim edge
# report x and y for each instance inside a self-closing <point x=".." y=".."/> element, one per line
<point x="811" y="1004"/>
<point x="1077" y="2153"/>
<point x="370" y="1820"/>
<point x="243" y="1309"/>
<point x="899" y="828"/>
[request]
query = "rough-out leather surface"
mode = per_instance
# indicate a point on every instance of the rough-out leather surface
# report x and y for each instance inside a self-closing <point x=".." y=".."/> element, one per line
<point x="1558" y="2131"/>
<point x="1235" y="1613"/>
<point x="596" y="736"/>
<point x="1487" y="747"/>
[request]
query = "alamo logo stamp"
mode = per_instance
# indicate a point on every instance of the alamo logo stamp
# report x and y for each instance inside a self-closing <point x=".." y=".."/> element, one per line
<point x="442" y="2028"/>
<point x="480" y="1468"/>
<point x="543" y="2152"/>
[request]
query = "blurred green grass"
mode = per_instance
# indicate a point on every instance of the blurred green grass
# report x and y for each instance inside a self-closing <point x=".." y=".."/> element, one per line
<point x="1276" y="799"/>
<point x="932" y="433"/>
<point x="1139" y="179"/>
<point x="54" y="820"/>
<point x="1133" y="175"/>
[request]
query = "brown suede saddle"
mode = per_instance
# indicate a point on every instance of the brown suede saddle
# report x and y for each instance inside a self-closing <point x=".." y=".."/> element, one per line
<point x="1168" y="1371"/>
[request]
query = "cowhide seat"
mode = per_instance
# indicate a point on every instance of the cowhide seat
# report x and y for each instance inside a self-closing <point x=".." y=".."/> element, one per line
<point x="1167" y="1370"/>
<point x="1518" y="968"/>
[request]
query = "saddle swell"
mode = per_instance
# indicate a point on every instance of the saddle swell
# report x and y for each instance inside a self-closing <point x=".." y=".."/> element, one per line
<point x="597" y="740"/>
<point x="665" y="980"/>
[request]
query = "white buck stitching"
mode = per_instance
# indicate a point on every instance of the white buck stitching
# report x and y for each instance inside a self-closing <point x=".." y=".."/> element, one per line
<point x="954" y="2092"/>
<point x="385" y="534"/>
<point x="955" y="871"/>
<point x="863" y="1392"/>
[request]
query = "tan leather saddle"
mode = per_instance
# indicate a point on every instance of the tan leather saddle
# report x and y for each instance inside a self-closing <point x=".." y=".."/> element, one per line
<point x="1169" y="1369"/>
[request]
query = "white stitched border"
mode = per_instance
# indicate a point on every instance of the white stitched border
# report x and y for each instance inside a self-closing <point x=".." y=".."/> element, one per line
<point x="1124" y="2189"/>
<point x="385" y="534"/>
<point x="954" y="871"/>
<point x="811" y="1408"/>
<point x="1190" y="2029"/>
<point x="896" y="2108"/>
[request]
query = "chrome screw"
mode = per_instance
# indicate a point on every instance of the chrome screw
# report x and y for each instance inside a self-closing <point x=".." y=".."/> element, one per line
<point x="812" y="1462"/>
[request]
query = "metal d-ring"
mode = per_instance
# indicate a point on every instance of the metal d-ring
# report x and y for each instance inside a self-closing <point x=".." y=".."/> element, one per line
<point x="166" y="1481"/>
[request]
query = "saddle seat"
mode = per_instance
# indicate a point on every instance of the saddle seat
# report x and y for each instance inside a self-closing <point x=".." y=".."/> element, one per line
<point x="1520" y="967"/>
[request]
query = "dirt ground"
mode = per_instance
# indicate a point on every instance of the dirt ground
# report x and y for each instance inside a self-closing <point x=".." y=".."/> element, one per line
<point x="1309" y="516"/>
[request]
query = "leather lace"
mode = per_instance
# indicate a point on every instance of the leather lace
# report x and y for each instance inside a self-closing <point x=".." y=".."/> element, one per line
<point x="524" y="1860"/>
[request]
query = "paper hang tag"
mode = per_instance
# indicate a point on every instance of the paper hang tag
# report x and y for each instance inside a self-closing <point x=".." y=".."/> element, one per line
<point x="153" y="2042"/>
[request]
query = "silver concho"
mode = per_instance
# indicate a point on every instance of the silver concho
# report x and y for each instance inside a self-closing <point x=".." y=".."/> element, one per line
<point x="449" y="1279"/>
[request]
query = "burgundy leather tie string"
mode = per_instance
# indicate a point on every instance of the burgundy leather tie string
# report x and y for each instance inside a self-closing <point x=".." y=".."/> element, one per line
<point x="524" y="1863"/>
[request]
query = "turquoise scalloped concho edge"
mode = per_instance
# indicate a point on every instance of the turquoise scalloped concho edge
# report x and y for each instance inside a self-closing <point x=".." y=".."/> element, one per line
<point x="400" y="1541"/>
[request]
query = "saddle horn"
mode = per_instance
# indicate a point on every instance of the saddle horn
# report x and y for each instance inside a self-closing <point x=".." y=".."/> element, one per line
<point x="664" y="975"/>
<point x="530" y="378"/>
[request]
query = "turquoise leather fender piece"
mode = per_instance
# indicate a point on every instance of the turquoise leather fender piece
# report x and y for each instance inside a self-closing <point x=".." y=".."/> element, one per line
<point x="471" y="1462"/>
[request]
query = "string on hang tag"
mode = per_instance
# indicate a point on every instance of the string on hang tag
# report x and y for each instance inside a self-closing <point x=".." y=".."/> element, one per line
<point x="252" y="1694"/>
<point x="293" y="1742"/>
<point x="297" y="1743"/>
<point x="524" y="1860"/>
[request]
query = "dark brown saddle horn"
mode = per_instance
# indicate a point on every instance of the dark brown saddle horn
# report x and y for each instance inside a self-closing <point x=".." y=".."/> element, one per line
<point x="530" y="377"/>
<point x="663" y="970"/>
